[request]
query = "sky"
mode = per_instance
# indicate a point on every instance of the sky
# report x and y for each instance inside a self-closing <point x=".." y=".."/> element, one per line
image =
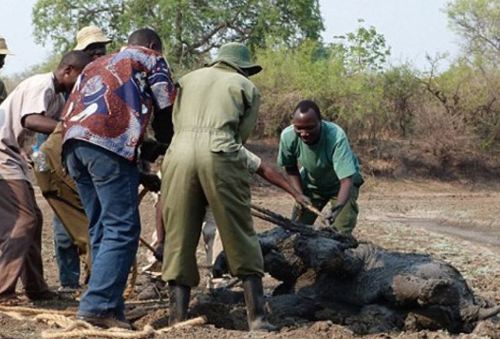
<point x="412" y="28"/>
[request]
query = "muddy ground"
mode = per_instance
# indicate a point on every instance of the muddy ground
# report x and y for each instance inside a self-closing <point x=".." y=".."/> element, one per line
<point x="457" y="222"/>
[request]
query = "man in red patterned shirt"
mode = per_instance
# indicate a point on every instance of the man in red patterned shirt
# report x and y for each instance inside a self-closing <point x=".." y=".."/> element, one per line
<point x="104" y="123"/>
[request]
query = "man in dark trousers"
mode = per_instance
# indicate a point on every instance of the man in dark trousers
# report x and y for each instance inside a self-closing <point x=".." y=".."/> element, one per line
<point x="104" y="123"/>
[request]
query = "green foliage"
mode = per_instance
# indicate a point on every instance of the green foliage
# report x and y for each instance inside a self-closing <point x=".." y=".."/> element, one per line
<point x="362" y="50"/>
<point x="358" y="101"/>
<point x="478" y="23"/>
<point x="58" y="21"/>
<point x="450" y="116"/>
<point x="190" y="28"/>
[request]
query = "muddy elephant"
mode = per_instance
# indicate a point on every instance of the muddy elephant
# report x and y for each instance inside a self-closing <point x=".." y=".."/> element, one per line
<point x="323" y="270"/>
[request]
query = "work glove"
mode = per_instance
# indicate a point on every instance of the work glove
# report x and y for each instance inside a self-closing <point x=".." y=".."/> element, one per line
<point x="150" y="181"/>
<point x="158" y="253"/>
<point x="334" y="212"/>
<point x="150" y="150"/>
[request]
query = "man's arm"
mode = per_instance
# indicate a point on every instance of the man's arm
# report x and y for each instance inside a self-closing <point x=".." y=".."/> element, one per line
<point x="39" y="123"/>
<point x="345" y="191"/>
<point x="251" y="99"/>
<point x="342" y="198"/>
<point x="294" y="176"/>
<point x="276" y="178"/>
<point x="160" y="231"/>
<point x="162" y="125"/>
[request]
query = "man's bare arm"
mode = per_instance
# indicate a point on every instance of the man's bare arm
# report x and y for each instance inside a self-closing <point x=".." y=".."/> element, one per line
<point x="294" y="177"/>
<point x="39" y="123"/>
<point x="345" y="190"/>
<point x="342" y="198"/>
<point x="272" y="175"/>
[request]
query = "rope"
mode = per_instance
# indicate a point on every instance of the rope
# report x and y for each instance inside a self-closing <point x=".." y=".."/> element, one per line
<point x="129" y="291"/>
<point x="74" y="332"/>
<point x="70" y="328"/>
<point x="54" y="319"/>
<point x="30" y="310"/>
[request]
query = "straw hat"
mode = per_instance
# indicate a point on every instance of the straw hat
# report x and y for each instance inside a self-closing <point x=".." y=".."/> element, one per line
<point x="90" y="35"/>
<point x="3" y="46"/>
<point x="237" y="55"/>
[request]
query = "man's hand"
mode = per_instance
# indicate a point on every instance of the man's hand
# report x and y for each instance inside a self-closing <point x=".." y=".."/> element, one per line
<point x="334" y="214"/>
<point x="303" y="200"/>
<point x="159" y="252"/>
<point x="150" y="181"/>
<point x="151" y="150"/>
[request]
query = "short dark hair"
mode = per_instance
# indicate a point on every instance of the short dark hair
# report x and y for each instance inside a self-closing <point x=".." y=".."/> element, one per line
<point x="305" y="105"/>
<point x="76" y="59"/>
<point x="144" y="37"/>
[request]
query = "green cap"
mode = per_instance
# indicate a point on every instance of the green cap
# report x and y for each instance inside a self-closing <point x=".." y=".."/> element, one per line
<point x="237" y="55"/>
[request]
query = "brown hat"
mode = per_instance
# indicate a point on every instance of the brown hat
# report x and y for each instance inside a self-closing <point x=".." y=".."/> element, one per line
<point x="90" y="35"/>
<point x="3" y="46"/>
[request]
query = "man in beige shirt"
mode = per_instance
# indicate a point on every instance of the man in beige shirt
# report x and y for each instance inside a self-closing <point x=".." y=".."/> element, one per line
<point x="34" y="105"/>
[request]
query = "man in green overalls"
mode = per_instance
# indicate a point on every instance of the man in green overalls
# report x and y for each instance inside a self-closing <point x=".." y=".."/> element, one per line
<point x="330" y="170"/>
<point x="214" y="113"/>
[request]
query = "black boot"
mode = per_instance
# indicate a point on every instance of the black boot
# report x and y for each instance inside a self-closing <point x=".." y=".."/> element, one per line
<point x="179" y="302"/>
<point x="254" y="300"/>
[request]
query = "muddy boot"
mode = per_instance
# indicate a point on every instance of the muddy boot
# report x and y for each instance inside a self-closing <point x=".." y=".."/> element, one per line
<point x="179" y="302"/>
<point x="254" y="300"/>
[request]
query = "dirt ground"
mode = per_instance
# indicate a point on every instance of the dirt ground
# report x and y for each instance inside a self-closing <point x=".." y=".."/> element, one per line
<point x="455" y="222"/>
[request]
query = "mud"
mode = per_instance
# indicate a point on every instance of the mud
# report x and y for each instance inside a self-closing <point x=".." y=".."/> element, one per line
<point x="380" y="201"/>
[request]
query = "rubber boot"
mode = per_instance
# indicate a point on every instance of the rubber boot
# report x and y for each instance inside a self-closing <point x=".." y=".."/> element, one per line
<point x="179" y="302"/>
<point x="254" y="300"/>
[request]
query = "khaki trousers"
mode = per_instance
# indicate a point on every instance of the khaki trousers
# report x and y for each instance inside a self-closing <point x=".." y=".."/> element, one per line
<point x="193" y="177"/>
<point x="62" y="195"/>
<point x="20" y="239"/>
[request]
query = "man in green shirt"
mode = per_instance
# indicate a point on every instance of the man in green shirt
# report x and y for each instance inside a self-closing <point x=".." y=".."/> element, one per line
<point x="329" y="172"/>
<point x="214" y="113"/>
<point x="3" y="53"/>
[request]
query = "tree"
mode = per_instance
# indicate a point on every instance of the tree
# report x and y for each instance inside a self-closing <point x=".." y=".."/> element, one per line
<point x="190" y="28"/>
<point x="364" y="49"/>
<point x="478" y="22"/>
